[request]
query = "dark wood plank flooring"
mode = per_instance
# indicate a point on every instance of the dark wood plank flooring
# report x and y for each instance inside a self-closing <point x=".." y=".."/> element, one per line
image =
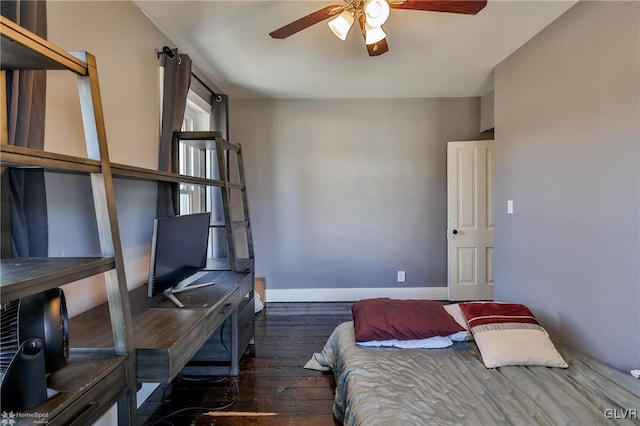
<point x="272" y="388"/>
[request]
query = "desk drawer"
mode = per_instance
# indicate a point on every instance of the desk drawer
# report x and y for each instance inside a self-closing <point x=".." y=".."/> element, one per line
<point x="216" y="318"/>
<point x="218" y="346"/>
<point x="90" y="406"/>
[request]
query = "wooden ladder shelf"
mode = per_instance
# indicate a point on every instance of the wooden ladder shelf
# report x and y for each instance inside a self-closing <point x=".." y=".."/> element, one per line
<point x="92" y="378"/>
<point x="235" y="208"/>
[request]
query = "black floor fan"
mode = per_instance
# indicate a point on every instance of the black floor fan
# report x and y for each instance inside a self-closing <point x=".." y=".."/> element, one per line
<point x="34" y="341"/>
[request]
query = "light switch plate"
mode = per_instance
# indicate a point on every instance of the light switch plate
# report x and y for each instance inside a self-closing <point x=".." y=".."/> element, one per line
<point x="509" y="206"/>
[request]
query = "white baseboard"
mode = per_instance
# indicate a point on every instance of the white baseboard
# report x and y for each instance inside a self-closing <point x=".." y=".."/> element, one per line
<point x="353" y="294"/>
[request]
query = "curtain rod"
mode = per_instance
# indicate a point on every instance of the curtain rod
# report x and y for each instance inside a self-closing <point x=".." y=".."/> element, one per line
<point x="166" y="50"/>
<point x="217" y="97"/>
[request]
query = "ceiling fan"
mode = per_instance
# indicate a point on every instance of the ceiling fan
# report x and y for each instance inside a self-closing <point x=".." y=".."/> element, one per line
<point x="371" y="15"/>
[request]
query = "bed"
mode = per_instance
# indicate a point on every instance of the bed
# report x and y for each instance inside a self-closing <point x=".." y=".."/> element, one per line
<point x="452" y="386"/>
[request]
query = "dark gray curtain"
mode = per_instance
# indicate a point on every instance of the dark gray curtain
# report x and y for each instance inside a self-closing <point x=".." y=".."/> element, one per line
<point x="177" y="78"/>
<point x="26" y="92"/>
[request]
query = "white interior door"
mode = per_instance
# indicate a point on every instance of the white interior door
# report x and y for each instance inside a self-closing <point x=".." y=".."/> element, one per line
<point x="470" y="220"/>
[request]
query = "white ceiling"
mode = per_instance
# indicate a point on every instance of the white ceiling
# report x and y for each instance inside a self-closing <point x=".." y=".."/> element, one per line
<point x="430" y="54"/>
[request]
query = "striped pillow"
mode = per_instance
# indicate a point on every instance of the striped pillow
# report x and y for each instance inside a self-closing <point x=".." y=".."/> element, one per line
<point x="509" y="334"/>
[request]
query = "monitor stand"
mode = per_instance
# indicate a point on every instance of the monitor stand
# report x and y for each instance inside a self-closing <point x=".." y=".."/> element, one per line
<point x="185" y="285"/>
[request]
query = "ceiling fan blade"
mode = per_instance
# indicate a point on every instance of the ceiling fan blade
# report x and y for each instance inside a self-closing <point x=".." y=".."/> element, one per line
<point x="306" y="21"/>
<point x="469" y="7"/>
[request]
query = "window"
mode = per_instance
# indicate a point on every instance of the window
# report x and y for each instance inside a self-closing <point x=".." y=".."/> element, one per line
<point x="197" y="117"/>
<point x="201" y="163"/>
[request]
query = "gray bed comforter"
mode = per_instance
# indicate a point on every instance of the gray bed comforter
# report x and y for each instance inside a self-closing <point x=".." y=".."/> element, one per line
<point x="387" y="386"/>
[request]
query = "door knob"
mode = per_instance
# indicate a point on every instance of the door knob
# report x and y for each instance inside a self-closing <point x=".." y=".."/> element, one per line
<point x="454" y="232"/>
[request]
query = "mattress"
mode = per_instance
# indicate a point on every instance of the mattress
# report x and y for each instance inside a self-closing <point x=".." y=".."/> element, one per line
<point x="451" y="386"/>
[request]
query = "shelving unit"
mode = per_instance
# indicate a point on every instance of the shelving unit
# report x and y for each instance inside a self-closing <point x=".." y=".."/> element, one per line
<point x="93" y="380"/>
<point x="226" y="309"/>
<point x="103" y="368"/>
<point x="230" y="168"/>
<point x="225" y="159"/>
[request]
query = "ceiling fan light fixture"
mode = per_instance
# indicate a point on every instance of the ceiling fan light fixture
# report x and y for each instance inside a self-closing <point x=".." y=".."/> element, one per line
<point x="371" y="16"/>
<point x="376" y="12"/>
<point x="373" y="35"/>
<point x="341" y="24"/>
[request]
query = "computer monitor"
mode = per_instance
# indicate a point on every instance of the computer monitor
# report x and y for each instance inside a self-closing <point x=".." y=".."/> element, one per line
<point x="178" y="254"/>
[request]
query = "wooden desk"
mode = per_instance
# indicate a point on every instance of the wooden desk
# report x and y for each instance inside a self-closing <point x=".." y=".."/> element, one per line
<point x="167" y="337"/>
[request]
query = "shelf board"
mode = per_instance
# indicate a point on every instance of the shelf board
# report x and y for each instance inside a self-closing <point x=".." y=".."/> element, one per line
<point x="235" y="225"/>
<point x="16" y="156"/>
<point x="198" y="136"/>
<point x="224" y="264"/>
<point x="218" y="264"/>
<point x="122" y="170"/>
<point x="85" y="377"/>
<point x="206" y="140"/>
<point x="22" y="49"/>
<point x="20" y="277"/>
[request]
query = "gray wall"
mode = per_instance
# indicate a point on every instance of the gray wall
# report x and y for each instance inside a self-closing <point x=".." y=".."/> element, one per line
<point x="567" y="152"/>
<point x="343" y="193"/>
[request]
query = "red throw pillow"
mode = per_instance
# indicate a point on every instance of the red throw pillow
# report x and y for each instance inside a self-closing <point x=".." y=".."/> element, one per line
<point x="494" y="313"/>
<point x="386" y="319"/>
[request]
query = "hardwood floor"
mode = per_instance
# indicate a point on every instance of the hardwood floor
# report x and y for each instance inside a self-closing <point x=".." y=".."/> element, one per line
<point x="272" y="388"/>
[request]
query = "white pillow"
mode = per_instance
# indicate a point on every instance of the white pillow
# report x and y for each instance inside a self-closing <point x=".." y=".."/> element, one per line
<point x="461" y="336"/>
<point x="436" y="342"/>
<point x="519" y="346"/>
<point x="455" y="311"/>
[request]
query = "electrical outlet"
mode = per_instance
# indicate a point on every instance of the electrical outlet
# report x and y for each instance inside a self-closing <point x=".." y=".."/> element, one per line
<point x="401" y="276"/>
